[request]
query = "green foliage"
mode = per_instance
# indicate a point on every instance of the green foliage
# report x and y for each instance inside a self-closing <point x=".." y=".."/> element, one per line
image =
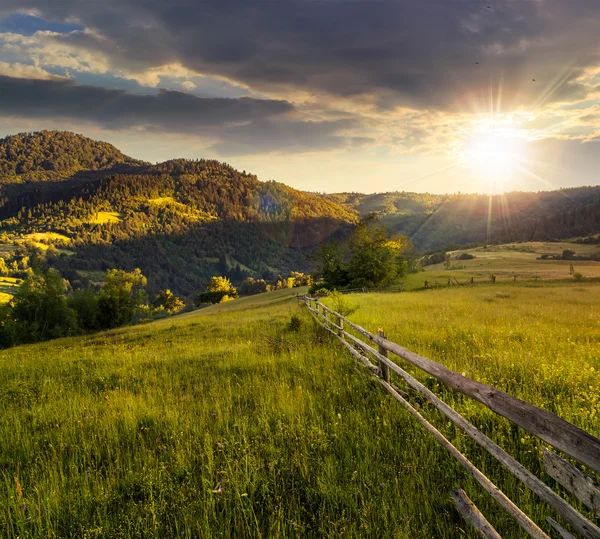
<point x="38" y="311"/>
<point x="251" y="286"/>
<point x="295" y="323"/>
<point x="48" y="155"/>
<point x="578" y="276"/>
<point x="368" y="259"/>
<point x="341" y="304"/>
<point x="120" y="297"/>
<point x="465" y="256"/>
<point x="168" y="301"/>
<point x="219" y="290"/>
<point x="85" y="303"/>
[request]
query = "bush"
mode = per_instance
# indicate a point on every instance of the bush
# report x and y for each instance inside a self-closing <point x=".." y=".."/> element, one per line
<point x="295" y="323"/>
<point x="465" y="256"/>
<point x="341" y="305"/>
<point x="578" y="276"/>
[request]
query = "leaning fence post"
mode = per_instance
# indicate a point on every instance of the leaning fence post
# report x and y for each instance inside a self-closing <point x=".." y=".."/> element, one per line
<point x="385" y="370"/>
<point x="341" y="327"/>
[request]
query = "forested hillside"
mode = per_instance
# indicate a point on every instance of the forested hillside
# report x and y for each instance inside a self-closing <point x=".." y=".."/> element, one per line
<point x="89" y="207"/>
<point x="434" y="221"/>
<point x="180" y="221"/>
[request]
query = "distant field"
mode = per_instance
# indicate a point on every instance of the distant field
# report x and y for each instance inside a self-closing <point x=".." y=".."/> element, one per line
<point x="224" y="423"/>
<point x="507" y="261"/>
<point x="47" y="236"/>
<point x="107" y="217"/>
<point x="8" y="285"/>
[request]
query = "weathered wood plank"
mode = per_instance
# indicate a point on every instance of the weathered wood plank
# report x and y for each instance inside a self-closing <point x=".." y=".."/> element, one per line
<point x="521" y="518"/>
<point x="385" y="370"/>
<point x="563" y="533"/>
<point x="571" y="515"/>
<point x="574" y="441"/>
<point x="584" y="488"/>
<point x="578" y="521"/>
<point x="472" y="515"/>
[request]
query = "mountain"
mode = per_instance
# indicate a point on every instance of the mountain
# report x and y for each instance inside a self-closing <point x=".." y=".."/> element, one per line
<point x="180" y="221"/>
<point x="436" y="221"/>
<point x="55" y="155"/>
<point x="183" y="221"/>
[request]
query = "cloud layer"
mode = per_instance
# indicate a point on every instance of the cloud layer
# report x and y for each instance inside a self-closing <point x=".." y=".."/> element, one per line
<point x="317" y="74"/>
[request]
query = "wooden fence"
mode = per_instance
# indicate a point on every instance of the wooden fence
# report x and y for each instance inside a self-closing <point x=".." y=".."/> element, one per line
<point x="553" y="430"/>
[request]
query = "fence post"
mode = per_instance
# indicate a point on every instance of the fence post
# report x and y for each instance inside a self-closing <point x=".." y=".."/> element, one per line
<point x="385" y="370"/>
<point x="341" y="329"/>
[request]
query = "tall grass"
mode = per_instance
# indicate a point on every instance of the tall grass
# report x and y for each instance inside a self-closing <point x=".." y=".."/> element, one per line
<point x="226" y="423"/>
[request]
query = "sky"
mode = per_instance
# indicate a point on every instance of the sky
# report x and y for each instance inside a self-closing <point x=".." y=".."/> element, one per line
<point x="438" y="96"/>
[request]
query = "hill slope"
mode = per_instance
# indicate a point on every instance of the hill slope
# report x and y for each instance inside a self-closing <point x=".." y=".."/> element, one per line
<point x="434" y="221"/>
<point x="174" y="220"/>
<point x="55" y="155"/>
<point x="224" y="423"/>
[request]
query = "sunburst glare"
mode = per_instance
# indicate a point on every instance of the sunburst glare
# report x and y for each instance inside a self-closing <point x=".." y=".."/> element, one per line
<point x="494" y="152"/>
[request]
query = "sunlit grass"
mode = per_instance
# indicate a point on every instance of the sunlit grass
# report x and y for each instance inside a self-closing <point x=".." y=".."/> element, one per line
<point x="224" y="423"/>
<point x="107" y="217"/>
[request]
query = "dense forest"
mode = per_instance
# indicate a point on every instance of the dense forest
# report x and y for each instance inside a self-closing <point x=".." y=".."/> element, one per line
<point x="435" y="221"/>
<point x="180" y="222"/>
<point x="91" y="208"/>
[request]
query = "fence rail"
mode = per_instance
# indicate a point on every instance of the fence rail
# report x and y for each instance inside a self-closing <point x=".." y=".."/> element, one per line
<point x="557" y="432"/>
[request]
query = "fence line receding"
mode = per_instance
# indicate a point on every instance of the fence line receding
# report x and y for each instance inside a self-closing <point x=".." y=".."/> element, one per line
<point x="550" y="428"/>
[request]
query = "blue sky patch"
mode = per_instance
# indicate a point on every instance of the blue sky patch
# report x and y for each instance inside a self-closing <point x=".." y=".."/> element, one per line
<point x="27" y="25"/>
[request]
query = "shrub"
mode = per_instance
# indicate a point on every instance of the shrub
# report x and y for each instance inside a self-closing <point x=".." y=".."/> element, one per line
<point x="341" y="305"/>
<point x="578" y="276"/>
<point x="465" y="256"/>
<point x="295" y="323"/>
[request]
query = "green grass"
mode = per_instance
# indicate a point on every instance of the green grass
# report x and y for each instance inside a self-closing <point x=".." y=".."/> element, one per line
<point x="129" y="433"/>
<point x="507" y="261"/>
<point x="107" y="217"/>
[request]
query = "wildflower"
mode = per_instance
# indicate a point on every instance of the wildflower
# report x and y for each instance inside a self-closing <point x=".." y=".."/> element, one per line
<point x="23" y="506"/>
<point x="87" y="472"/>
<point x="27" y="519"/>
<point x="213" y="415"/>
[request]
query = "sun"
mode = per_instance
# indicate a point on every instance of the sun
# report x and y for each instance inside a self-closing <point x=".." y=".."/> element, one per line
<point x="493" y="152"/>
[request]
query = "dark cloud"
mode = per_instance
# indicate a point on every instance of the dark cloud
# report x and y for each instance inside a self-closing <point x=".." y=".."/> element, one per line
<point x="264" y="136"/>
<point x="429" y="54"/>
<point x="241" y="126"/>
<point x="169" y="110"/>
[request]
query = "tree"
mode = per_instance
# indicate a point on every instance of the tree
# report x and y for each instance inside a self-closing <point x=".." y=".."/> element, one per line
<point x="121" y="296"/>
<point x="86" y="305"/>
<point x="375" y="260"/>
<point x="39" y="311"/>
<point x="368" y="259"/>
<point x="219" y="289"/>
<point x="252" y="286"/>
<point x="333" y="271"/>
<point x="168" y="301"/>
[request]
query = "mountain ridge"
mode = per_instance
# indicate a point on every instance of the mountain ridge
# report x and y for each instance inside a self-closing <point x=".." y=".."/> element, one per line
<point x="179" y="219"/>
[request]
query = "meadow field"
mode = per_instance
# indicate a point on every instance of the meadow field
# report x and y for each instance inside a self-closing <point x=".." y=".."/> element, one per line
<point x="225" y="422"/>
<point x="520" y="260"/>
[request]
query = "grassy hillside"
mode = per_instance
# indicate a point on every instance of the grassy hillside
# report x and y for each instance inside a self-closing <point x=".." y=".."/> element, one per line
<point x="507" y="261"/>
<point x="224" y="423"/>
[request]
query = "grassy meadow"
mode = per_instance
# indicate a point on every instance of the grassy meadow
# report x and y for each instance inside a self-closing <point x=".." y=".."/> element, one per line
<point x="224" y="422"/>
<point x="510" y="260"/>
